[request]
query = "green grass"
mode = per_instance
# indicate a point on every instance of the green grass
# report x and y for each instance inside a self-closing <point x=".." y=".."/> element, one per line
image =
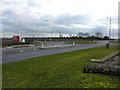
<point x="18" y="46"/>
<point x="82" y="43"/>
<point x="27" y="45"/>
<point x="114" y="41"/>
<point x="62" y="70"/>
<point x="35" y="43"/>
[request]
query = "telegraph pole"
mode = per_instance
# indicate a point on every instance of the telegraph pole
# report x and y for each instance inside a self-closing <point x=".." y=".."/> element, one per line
<point x="113" y="33"/>
<point x="109" y="26"/>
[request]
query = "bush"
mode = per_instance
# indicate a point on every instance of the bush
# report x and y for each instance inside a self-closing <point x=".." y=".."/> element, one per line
<point x="93" y="69"/>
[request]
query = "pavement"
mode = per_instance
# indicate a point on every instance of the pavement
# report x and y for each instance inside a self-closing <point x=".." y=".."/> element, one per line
<point x="16" y="54"/>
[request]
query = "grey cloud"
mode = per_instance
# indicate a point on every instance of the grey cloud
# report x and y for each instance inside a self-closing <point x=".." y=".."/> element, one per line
<point x="73" y="19"/>
<point x="32" y="3"/>
<point x="101" y="29"/>
<point x="6" y="2"/>
<point x="26" y="24"/>
<point x="114" y="20"/>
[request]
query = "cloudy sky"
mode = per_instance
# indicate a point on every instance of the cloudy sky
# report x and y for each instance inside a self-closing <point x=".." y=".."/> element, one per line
<point x="43" y="17"/>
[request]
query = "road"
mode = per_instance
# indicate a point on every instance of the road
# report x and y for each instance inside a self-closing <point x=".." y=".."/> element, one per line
<point x="15" y="54"/>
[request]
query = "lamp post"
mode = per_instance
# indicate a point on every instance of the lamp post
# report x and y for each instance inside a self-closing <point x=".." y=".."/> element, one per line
<point x="109" y="26"/>
<point x="45" y="21"/>
<point x="69" y="26"/>
<point x="52" y="31"/>
<point x="51" y="27"/>
<point x="113" y="33"/>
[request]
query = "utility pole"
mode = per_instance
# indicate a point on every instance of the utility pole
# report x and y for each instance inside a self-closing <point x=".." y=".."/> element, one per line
<point x="113" y="33"/>
<point x="109" y="26"/>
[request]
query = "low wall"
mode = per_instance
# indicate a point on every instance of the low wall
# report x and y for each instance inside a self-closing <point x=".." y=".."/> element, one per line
<point x="107" y="65"/>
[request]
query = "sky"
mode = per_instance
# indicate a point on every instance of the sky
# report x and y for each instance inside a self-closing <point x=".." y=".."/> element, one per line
<point x="45" y="18"/>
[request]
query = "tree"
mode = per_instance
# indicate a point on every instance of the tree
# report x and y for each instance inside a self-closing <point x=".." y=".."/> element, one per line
<point x="87" y="35"/>
<point x="106" y="37"/>
<point x="61" y="36"/>
<point x="70" y="35"/>
<point x="98" y="34"/>
<point x="92" y="36"/>
<point x="80" y="34"/>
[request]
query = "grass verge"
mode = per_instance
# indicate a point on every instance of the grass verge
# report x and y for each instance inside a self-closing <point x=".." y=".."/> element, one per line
<point x="35" y="43"/>
<point x="28" y="45"/>
<point x="62" y="70"/>
<point x="114" y="41"/>
<point x="19" y="46"/>
<point x="81" y="43"/>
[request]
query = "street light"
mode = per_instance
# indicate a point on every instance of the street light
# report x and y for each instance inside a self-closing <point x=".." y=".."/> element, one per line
<point x="52" y="30"/>
<point x="113" y="33"/>
<point x="51" y="27"/>
<point x="45" y="21"/>
<point x="109" y="26"/>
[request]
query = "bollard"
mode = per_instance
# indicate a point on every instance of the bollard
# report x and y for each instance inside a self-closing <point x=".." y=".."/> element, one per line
<point x="43" y="45"/>
<point x="107" y="45"/>
<point x="34" y="49"/>
<point x="73" y="43"/>
<point x="21" y="50"/>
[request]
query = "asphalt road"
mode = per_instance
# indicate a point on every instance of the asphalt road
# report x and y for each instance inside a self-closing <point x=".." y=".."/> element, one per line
<point x="15" y="54"/>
